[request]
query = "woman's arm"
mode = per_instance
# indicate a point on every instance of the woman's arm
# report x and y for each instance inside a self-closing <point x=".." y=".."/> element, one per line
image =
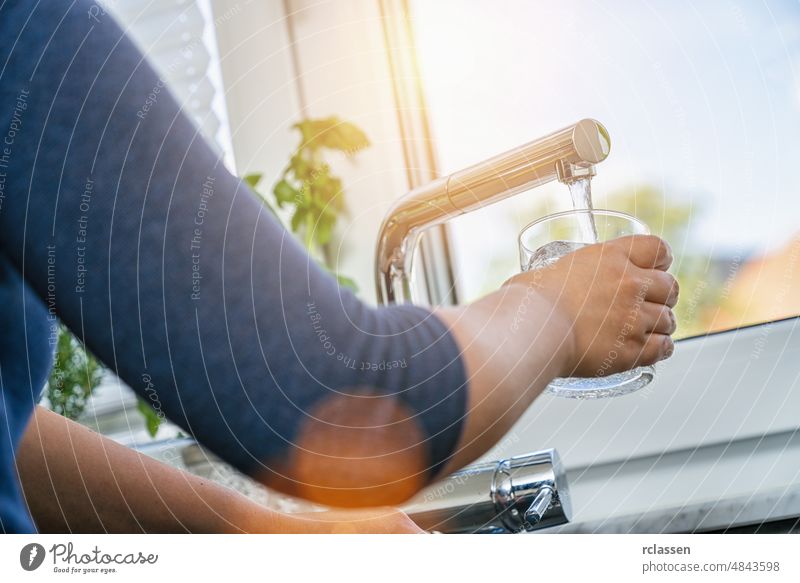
<point x="76" y="480"/>
<point x="127" y="223"/>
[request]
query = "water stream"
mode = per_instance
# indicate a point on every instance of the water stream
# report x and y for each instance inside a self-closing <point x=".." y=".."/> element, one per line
<point x="581" y="192"/>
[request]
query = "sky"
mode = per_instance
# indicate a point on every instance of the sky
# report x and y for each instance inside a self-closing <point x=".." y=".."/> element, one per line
<point x="701" y="99"/>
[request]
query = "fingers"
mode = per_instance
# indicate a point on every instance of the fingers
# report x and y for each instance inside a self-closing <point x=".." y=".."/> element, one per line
<point x="656" y="347"/>
<point x="646" y="251"/>
<point x="658" y="319"/>
<point x="663" y="288"/>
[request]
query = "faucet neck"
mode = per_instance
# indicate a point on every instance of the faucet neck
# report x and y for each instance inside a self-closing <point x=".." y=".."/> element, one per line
<point x="566" y="155"/>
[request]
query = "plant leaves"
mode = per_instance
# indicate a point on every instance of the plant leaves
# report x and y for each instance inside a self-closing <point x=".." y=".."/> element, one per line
<point x="253" y="179"/>
<point x="313" y="131"/>
<point x="301" y="168"/>
<point x="309" y="188"/>
<point x="346" y="282"/>
<point x="286" y="193"/>
<point x="324" y="228"/>
<point x="298" y="217"/>
<point x="332" y="133"/>
<point x="74" y="376"/>
<point x="346" y="137"/>
<point x="333" y="194"/>
<point x="152" y="419"/>
<point x="326" y="211"/>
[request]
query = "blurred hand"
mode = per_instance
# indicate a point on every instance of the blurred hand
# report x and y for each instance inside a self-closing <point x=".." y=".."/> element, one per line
<point x="361" y="521"/>
<point x="618" y="300"/>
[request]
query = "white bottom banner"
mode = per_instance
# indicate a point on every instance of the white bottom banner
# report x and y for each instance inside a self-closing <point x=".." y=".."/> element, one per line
<point x="138" y="558"/>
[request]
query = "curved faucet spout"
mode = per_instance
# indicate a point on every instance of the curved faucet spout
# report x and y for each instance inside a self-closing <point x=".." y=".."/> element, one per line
<point x="566" y="155"/>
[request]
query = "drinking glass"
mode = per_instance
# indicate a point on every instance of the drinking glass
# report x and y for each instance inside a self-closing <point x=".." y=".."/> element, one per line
<point x="546" y="240"/>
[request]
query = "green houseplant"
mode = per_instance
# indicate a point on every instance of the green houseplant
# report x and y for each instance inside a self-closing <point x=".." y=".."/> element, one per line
<point x="308" y="191"/>
<point x="74" y="376"/>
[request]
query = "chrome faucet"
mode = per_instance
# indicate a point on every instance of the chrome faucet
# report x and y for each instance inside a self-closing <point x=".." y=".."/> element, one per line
<point x="566" y="155"/>
<point x="520" y="494"/>
<point x="526" y="492"/>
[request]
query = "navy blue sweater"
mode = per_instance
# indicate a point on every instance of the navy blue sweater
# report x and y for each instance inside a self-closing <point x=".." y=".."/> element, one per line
<point x="116" y="217"/>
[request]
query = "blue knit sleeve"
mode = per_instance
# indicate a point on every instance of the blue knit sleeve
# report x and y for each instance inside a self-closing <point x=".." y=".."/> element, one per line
<point x="116" y="211"/>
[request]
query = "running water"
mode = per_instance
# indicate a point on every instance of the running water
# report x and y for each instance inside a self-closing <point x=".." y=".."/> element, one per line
<point x="581" y="192"/>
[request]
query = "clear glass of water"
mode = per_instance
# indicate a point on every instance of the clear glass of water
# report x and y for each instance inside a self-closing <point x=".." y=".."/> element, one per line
<point x="546" y="240"/>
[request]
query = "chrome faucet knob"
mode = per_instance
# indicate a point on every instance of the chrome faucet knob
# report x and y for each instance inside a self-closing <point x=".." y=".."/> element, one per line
<point x="538" y="507"/>
<point x="518" y="494"/>
<point x="530" y="491"/>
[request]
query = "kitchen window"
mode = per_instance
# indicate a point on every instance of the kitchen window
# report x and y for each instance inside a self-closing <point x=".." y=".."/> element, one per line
<point x="178" y="39"/>
<point x="702" y="102"/>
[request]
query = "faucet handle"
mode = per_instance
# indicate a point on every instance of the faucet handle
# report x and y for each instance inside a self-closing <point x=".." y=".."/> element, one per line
<point x="530" y="492"/>
<point x="538" y="507"/>
<point x="517" y="494"/>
